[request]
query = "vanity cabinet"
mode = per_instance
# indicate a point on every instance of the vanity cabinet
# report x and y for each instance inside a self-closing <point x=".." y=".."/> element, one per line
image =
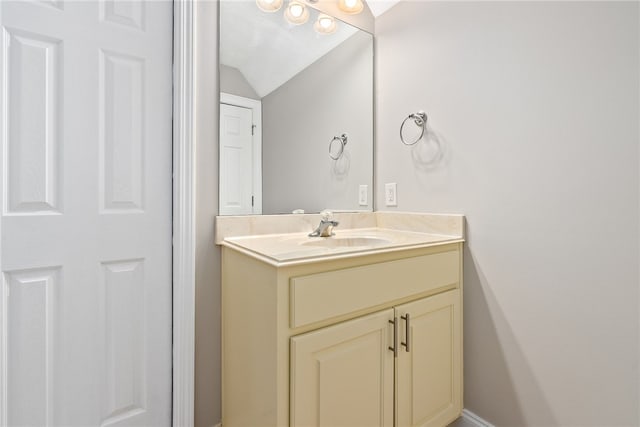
<point x="429" y="373"/>
<point x="312" y="343"/>
<point x="344" y="374"/>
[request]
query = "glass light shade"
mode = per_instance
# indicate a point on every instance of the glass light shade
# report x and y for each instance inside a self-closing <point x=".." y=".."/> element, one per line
<point x="296" y="13"/>
<point x="269" y="5"/>
<point x="351" y="6"/>
<point x="325" y="24"/>
<point x="296" y="10"/>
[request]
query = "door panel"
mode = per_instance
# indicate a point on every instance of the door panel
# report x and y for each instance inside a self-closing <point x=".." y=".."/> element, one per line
<point x="121" y="137"/>
<point x="86" y="212"/>
<point x="33" y="143"/>
<point x="122" y="310"/>
<point x="30" y="344"/>
<point x="343" y="375"/>
<point x="429" y="377"/>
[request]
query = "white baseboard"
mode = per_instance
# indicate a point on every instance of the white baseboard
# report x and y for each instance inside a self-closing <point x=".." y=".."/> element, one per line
<point x="466" y="414"/>
<point x="475" y="419"/>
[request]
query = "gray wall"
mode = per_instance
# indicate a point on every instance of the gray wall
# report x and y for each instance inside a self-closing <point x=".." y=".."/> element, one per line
<point x="233" y="82"/>
<point x="332" y="96"/>
<point x="535" y="107"/>
<point x="207" y="351"/>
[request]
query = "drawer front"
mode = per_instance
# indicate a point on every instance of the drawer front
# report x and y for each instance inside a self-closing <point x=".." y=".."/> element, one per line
<point x="322" y="296"/>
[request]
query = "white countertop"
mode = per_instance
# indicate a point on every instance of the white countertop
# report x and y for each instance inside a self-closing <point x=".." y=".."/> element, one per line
<point x="294" y="248"/>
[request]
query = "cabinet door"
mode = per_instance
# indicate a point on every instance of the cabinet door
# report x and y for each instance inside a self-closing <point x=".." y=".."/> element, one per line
<point x="429" y="377"/>
<point x="342" y="375"/>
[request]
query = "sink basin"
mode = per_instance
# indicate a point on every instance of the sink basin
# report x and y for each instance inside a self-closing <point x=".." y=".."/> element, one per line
<point x="342" y="242"/>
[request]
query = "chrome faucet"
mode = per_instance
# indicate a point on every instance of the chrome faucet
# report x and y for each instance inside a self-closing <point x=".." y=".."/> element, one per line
<point x="325" y="229"/>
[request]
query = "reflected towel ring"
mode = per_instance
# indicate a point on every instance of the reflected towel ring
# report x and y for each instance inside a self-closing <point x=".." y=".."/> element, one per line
<point x="420" y="119"/>
<point x="342" y="140"/>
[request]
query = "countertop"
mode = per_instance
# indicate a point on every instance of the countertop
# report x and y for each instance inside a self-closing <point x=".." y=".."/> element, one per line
<point x="296" y="248"/>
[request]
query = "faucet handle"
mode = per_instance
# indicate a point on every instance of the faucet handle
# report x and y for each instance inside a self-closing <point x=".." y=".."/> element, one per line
<point x="326" y="215"/>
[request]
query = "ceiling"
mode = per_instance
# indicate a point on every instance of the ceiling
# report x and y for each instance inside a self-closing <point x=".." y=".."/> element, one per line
<point x="267" y="50"/>
<point x="378" y="7"/>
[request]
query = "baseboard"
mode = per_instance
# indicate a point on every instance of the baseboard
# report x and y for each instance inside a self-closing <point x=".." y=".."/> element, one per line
<point x="466" y="414"/>
<point x="474" y="419"/>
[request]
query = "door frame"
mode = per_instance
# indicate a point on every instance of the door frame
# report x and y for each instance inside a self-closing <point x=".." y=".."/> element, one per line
<point x="184" y="224"/>
<point x="256" y="143"/>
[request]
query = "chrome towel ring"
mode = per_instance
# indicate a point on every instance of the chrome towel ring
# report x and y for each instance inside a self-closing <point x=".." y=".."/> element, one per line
<point x="342" y="140"/>
<point x="420" y="119"/>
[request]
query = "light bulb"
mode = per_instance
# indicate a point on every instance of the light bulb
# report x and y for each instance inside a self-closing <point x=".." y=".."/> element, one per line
<point x="296" y="10"/>
<point x="296" y="13"/>
<point x="351" y="7"/>
<point x="269" y="5"/>
<point x="325" y="24"/>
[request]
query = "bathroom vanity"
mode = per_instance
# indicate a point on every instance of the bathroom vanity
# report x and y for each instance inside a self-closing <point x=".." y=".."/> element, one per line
<point x="363" y="328"/>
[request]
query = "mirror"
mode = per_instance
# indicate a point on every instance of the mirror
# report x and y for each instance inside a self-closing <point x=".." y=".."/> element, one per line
<point x="296" y="113"/>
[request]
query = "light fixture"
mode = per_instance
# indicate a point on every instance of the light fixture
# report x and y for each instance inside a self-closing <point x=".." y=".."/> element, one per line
<point x="351" y="7"/>
<point x="269" y="5"/>
<point x="296" y="13"/>
<point x="325" y="24"/>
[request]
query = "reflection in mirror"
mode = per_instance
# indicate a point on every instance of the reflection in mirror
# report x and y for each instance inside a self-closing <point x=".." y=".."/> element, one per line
<point x="286" y="92"/>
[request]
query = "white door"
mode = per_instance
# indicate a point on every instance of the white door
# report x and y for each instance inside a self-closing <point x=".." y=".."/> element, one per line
<point x="236" y="160"/>
<point x="86" y="213"/>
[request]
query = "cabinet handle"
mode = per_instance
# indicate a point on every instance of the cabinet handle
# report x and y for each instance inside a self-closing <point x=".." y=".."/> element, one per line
<point x="407" y="332"/>
<point x="394" y="322"/>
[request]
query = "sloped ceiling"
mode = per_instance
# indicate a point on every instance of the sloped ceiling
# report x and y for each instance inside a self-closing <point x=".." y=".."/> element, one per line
<point x="266" y="49"/>
<point x="378" y="7"/>
<point x="269" y="51"/>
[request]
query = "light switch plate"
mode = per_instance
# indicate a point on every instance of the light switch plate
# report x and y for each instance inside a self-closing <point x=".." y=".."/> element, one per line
<point x="390" y="194"/>
<point x="363" y="194"/>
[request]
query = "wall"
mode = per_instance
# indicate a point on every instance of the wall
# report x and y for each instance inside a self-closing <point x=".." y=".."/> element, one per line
<point x="233" y="82"/>
<point x="207" y="328"/>
<point x="533" y="134"/>
<point x="332" y="96"/>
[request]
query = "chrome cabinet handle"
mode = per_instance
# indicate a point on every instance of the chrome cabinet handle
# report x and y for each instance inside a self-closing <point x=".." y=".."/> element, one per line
<point x="407" y="332"/>
<point x="394" y="322"/>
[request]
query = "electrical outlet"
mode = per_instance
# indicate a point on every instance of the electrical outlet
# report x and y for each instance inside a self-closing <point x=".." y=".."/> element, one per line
<point x="363" y="195"/>
<point x="390" y="194"/>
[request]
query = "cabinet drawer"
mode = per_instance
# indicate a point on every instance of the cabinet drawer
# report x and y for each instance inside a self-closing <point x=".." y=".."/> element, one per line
<point x="313" y="298"/>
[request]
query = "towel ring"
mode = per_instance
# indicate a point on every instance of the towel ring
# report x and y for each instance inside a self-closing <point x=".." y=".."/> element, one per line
<point x="420" y="119"/>
<point x="342" y="140"/>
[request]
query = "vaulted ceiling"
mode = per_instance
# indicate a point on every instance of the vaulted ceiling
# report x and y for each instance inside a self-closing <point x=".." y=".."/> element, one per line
<point x="269" y="51"/>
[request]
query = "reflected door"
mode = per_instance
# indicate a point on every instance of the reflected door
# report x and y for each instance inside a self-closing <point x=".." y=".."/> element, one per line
<point x="236" y="160"/>
<point x="86" y="213"/>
